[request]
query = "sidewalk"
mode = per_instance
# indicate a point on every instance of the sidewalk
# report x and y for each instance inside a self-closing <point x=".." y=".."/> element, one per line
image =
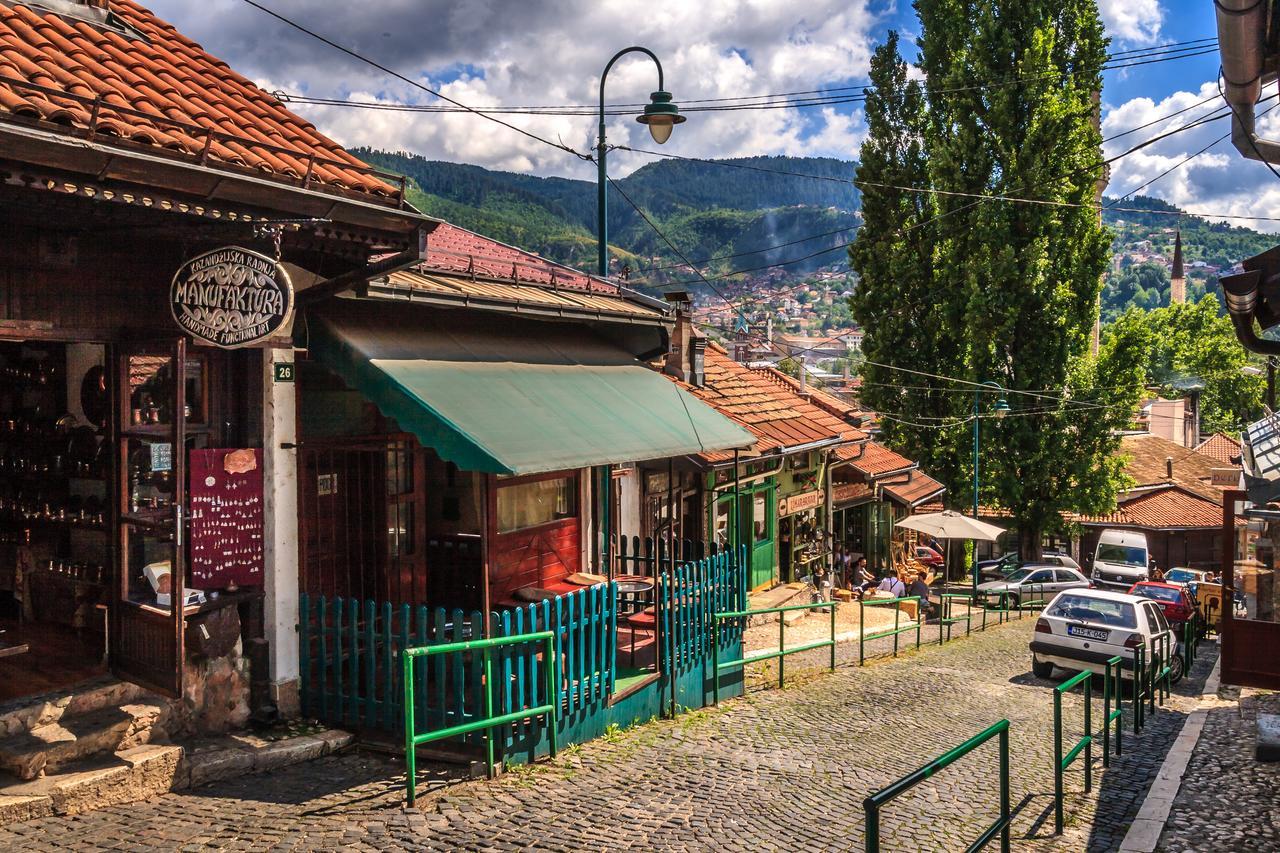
<point x="1227" y="799"/>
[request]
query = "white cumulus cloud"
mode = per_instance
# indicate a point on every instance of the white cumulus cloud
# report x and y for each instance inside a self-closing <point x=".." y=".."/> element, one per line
<point x="1217" y="183"/>
<point x="1132" y="21"/>
<point x="538" y="52"/>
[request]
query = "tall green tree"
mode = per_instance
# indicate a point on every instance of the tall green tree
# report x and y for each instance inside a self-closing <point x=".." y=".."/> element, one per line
<point x="1009" y="110"/>
<point x="896" y="300"/>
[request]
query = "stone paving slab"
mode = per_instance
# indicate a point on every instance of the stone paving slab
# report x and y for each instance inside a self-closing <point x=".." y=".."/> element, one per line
<point x="775" y="770"/>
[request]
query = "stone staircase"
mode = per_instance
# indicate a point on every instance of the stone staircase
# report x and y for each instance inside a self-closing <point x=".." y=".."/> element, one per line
<point x="105" y="743"/>
<point x="100" y="742"/>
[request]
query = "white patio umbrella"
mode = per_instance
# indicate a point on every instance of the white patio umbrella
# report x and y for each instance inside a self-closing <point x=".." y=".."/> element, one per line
<point x="951" y="525"/>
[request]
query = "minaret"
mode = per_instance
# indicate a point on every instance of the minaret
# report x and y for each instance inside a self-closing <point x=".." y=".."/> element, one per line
<point x="1177" y="279"/>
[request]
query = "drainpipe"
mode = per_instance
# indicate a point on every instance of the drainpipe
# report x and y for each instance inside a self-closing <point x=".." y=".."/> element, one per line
<point x="1241" y="43"/>
<point x="1241" y="292"/>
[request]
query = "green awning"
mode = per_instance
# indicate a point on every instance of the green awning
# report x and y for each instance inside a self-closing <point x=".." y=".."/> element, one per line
<point x="505" y="395"/>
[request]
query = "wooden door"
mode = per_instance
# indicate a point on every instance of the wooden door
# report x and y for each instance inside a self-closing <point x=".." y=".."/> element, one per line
<point x="148" y="485"/>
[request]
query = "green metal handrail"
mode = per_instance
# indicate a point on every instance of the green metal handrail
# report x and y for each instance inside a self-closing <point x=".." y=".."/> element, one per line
<point x="1160" y="669"/>
<point x="945" y="617"/>
<point x="872" y="804"/>
<point x="1112" y="687"/>
<point x="717" y="665"/>
<point x="1140" y="673"/>
<point x="863" y="636"/>
<point x="488" y="722"/>
<point x="1085" y="744"/>
<point x="1190" y="642"/>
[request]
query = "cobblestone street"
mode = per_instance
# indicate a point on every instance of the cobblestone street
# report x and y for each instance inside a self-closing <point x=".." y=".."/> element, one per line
<point x="777" y="770"/>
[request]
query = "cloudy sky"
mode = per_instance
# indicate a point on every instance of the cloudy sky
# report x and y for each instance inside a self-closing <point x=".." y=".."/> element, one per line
<point x="550" y="52"/>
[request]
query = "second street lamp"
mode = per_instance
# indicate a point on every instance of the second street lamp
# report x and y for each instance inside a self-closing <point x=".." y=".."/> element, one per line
<point x="661" y="115"/>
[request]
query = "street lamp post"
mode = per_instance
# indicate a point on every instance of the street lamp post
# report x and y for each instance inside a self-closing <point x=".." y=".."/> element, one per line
<point x="1000" y="409"/>
<point x="661" y="115"/>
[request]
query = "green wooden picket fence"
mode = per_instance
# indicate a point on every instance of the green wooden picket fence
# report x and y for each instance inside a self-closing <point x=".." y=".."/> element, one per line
<point x="350" y="653"/>
<point x="688" y="598"/>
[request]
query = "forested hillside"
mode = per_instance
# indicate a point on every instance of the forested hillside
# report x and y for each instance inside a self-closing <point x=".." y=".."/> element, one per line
<point x="769" y="219"/>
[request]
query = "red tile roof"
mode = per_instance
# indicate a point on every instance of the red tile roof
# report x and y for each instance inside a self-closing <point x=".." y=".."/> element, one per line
<point x="1222" y="447"/>
<point x="779" y="418"/>
<point x="455" y="250"/>
<point x="917" y="488"/>
<point x="1147" y="462"/>
<point x="163" y="92"/>
<point x="873" y="459"/>
<point x="1166" y="507"/>
<point x="820" y="398"/>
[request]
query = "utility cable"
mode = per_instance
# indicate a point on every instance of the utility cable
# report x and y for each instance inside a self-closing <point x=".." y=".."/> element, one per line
<point x="360" y="57"/>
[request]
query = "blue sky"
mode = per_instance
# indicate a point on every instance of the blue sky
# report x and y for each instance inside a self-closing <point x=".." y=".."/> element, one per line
<point x="533" y="52"/>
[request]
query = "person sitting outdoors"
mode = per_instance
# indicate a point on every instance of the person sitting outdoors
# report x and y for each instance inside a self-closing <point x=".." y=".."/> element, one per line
<point x="891" y="584"/>
<point x="920" y="587"/>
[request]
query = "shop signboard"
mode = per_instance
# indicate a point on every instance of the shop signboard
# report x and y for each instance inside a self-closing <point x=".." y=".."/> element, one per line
<point x="799" y="503"/>
<point x="846" y="492"/>
<point x="231" y="297"/>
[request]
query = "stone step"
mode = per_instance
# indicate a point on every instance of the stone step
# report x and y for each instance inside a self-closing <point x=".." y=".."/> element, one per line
<point x="23" y="715"/>
<point x="46" y="748"/>
<point x="779" y="596"/>
<point x="146" y="771"/>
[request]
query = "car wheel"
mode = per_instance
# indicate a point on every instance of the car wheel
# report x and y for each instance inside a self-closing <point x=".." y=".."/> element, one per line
<point x="1015" y="602"/>
<point x="1041" y="668"/>
<point x="1176" y="670"/>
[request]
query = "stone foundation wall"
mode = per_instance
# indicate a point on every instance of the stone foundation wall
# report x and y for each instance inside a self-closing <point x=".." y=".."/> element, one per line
<point x="215" y="695"/>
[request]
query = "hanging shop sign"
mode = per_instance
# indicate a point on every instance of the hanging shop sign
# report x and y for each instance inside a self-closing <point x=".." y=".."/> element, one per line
<point x="846" y="492"/>
<point x="231" y="297"/>
<point x="799" y="503"/>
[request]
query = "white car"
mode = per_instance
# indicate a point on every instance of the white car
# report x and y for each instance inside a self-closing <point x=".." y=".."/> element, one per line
<point x="1031" y="583"/>
<point x="1082" y="629"/>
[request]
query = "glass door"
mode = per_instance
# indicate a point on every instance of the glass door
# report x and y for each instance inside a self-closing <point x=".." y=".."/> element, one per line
<point x="148" y="431"/>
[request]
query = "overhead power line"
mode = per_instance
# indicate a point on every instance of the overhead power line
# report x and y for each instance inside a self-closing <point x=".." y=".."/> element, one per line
<point x="397" y="75"/>
<point x="831" y="96"/>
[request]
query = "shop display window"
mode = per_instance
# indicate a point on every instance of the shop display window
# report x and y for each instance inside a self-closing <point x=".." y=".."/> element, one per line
<point x="530" y="504"/>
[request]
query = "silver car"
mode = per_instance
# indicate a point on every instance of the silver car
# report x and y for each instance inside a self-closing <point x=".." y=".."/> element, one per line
<point x="1031" y="583"/>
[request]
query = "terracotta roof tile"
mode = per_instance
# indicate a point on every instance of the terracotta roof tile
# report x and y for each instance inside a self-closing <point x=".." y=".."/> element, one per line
<point x="162" y="90"/>
<point x="874" y="459"/>
<point x="1165" y="507"/>
<point x="1147" y="463"/>
<point x="451" y="249"/>
<point x="1222" y="447"/>
<point x="918" y="487"/>
<point x="777" y="416"/>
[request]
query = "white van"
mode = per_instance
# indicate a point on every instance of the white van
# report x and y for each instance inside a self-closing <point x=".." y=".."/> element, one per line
<point x="1121" y="559"/>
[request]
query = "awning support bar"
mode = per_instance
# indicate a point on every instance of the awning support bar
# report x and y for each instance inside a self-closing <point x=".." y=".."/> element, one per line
<point x="333" y="286"/>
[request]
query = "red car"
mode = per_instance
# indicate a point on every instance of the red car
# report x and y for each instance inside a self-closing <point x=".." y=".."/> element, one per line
<point x="1173" y="599"/>
<point x="930" y="557"/>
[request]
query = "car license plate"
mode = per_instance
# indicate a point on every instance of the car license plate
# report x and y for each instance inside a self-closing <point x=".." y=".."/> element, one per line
<point x="1087" y="633"/>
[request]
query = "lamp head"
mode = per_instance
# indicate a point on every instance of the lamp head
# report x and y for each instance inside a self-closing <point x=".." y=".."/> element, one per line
<point x="661" y="115"/>
<point x="1001" y="408"/>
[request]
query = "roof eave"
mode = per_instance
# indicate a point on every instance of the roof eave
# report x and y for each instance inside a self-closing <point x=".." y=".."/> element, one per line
<point x="102" y="162"/>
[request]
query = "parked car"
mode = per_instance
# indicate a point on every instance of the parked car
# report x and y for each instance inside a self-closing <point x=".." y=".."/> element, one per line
<point x="1186" y="577"/>
<point x="1036" y="581"/>
<point x="930" y="557"/>
<point x="995" y="570"/>
<point x="1174" y="600"/>
<point x="1121" y="559"/>
<point x="1082" y="629"/>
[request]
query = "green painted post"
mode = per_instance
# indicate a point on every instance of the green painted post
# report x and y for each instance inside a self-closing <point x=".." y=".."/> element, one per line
<point x="304" y="653"/>
<point x="782" y="647"/>
<point x="715" y="661"/>
<point x="862" y="632"/>
<point x="552" y="669"/>
<point x="488" y="710"/>
<point x="919" y="622"/>
<point x="897" y="616"/>
<point x="1058" y="817"/>
<point x="1139" y="698"/>
<point x="1005" y="817"/>
<point x="873" y="825"/>
<point x="833" y="635"/>
<point x="1088" y="735"/>
<point x="410" y="756"/>
<point x="323" y="681"/>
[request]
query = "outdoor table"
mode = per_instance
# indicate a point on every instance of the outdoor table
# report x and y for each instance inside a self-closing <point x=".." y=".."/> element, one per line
<point x="634" y="591"/>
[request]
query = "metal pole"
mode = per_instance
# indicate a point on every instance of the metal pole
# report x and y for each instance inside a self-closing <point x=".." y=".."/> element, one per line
<point x="833" y="635"/>
<point x="1004" y="790"/>
<point x="553" y="692"/>
<point x="602" y="176"/>
<point x="410" y="756"/>
<point x="973" y="564"/>
<point x="1058" y="817"/>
